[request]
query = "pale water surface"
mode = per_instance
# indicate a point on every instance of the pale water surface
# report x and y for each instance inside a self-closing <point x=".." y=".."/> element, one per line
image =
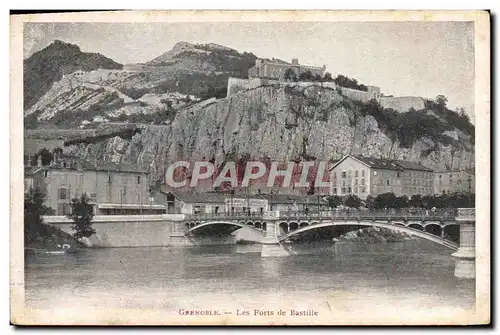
<point x="394" y="278"/>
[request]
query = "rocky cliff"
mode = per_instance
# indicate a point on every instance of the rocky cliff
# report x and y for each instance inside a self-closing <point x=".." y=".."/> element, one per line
<point x="280" y="123"/>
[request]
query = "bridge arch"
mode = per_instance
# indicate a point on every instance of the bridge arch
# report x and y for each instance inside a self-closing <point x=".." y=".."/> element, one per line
<point x="433" y="228"/>
<point x="283" y="228"/>
<point x="293" y="225"/>
<point x="303" y="224"/>
<point x="356" y="224"/>
<point x="232" y="226"/>
<point x="417" y="226"/>
<point x="258" y="225"/>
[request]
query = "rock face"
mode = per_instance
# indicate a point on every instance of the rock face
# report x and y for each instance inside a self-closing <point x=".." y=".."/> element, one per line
<point x="278" y="122"/>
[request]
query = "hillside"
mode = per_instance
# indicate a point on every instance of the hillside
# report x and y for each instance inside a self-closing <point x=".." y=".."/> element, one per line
<point x="287" y="123"/>
<point x="46" y="66"/>
<point x="109" y="91"/>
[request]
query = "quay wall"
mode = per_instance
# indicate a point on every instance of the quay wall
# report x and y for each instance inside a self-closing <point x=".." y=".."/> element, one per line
<point x="114" y="231"/>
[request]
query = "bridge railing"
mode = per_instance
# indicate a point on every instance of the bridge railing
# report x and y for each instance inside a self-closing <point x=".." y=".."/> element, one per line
<point x="420" y="214"/>
<point x="225" y="215"/>
<point x="334" y="214"/>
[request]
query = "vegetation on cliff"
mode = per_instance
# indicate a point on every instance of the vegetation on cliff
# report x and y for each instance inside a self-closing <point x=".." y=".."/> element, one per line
<point x="409" y="127"/>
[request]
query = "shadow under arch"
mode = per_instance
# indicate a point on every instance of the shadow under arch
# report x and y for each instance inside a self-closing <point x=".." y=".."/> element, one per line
<point x="353" y="225"/>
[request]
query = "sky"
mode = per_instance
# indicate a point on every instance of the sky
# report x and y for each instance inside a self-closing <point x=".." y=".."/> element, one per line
<point x="403" y="58"/>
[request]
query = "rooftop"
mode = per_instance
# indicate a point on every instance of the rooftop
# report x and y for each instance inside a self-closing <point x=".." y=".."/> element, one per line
<point x="75" y="164"/>
<point x="386" y="164"/>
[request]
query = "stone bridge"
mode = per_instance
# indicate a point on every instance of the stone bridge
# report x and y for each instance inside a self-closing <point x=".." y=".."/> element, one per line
<point x="453" y="229"/>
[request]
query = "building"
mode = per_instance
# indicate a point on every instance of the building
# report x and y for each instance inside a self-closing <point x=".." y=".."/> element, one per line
<point x="191" y="203"/>
<point x="113" y="189"/>
<point x="363" y="176"/>
<point x="211" y="203"/>
<point x="295" y="203"/>
<point x="446" y="182"/>
<point x="275" y="69"/>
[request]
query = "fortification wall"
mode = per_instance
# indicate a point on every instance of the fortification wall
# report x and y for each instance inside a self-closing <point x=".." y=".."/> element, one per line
<point x="357" y="95"/>
<point x="402" y="104"/>
<point x="311" y="83"/>
<point x="235" y="84"/>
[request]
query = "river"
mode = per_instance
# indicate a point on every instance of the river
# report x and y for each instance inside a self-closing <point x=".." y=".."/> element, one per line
<point x="364" y="280"/>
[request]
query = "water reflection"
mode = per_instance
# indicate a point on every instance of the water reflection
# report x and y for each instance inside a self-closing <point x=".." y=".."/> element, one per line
<point x="411" y="274"/>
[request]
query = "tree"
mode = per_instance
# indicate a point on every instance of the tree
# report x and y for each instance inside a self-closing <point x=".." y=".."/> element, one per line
<point x="353" y="201"/>
<point x="82" y="214"/>
<point x="46" y="155"/>
<point x="290" y="75"/>
<point x="317" y="77"/>
<point x="401" y="202"/>
<point x="441" y="102"/>
<point x="385" y="200"/>
<point x="334" y="201"/>
<point x="33" y="211"/>
<point x="327" y="77"/>
<point x="370" y="202"/>
<point x="415" y="201"/>
<point x="306" y="76"/>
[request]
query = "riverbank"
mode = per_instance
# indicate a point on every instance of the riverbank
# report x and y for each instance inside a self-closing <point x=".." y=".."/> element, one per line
<point x="51" y="239"/>
<point x="374" y="235"/>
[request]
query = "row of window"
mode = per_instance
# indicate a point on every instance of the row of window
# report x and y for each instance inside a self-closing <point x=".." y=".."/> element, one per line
<point x="350" y="190"/>
<point x="356" y="182"/>
<point x="348" y="174"/>
<point x="64" y="193"/>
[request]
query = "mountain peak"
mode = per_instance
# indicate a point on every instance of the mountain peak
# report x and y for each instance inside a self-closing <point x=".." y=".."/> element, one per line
<point x="45" y="67"/>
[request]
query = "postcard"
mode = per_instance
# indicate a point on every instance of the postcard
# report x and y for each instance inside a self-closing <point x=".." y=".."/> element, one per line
<point x="250" y="168"/>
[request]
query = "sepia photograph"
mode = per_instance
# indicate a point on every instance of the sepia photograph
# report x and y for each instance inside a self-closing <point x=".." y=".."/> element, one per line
<point x="250" y="168"/>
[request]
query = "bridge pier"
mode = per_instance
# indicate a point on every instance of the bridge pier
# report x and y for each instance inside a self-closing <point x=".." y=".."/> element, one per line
<point x="465" y="263"/>
<point x="270" y="244"/>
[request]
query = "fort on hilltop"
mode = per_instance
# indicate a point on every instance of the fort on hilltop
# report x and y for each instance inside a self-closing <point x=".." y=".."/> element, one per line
<point x="272" y="71"/>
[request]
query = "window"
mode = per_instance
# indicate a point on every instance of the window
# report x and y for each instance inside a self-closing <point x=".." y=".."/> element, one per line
<point x="109" y="177"/>
<point x="343" y="190"/>
<point x="349" y="189"/>
<point x="343" y="182"/>
<point x="356" y="173"/>
<point x="334" y="174"/>
<point x="45" y="173"/>
<point x="387" y="181"/>
<point x="459" y="181"/>
<point x="381" y="182"/>
<point x="138" y="179"/>
<point x="334" y="190"/>
<point x="355" y="182"/>
<point x="363" y="189"/>
<point x="349" y="174"/>
<point x="62" y="194"/>
<point x="362" y="181"/>
<point x="440" y="176"/>
<point x="343" y="174"/>
<point x="355" y="189"/>
<point x="362" y="173"/>
<point x="93" y="195"/>
<point x="398" y="174"/>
